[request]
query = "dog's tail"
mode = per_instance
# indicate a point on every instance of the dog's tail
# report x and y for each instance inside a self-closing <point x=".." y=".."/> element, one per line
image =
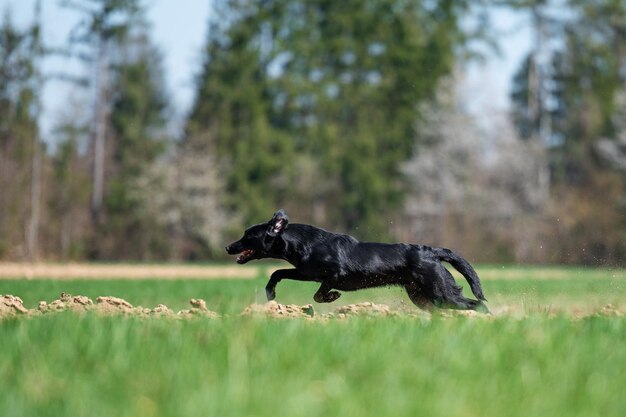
<point x="464" y="268"/>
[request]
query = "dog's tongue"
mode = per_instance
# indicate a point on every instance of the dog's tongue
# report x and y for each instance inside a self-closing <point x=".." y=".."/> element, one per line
<point x="246" y="253"/>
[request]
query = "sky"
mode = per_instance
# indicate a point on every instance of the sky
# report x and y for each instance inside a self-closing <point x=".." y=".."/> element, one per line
<point x="179" y="30"/>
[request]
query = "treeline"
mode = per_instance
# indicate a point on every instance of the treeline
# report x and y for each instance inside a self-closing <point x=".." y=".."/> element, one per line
<point x="347" y="114"/>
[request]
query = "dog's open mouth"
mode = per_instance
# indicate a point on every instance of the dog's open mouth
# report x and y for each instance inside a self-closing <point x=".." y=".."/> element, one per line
<point x="245" y="255"/>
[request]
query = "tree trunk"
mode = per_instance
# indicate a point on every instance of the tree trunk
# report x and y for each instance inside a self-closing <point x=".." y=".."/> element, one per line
<point x="100" y="131"/>
<point x="32" y="235"/>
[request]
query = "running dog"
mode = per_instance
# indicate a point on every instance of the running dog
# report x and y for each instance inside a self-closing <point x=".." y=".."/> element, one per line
<point x="341" y="262"/>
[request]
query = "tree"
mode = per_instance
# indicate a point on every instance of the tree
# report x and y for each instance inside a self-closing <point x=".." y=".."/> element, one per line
<point x="129" y="126"/>
<point x="230" y="114"/>
<point x="587" y="71"/>
<point x="104" y="23"/>
<point x="36" y="85"/>
<point x="138" y="136"/>
<point x="70" y="186"/>
<point x="331" y="86"/>
<point x="20" y="146"/>
<point x="187" y="201"/>
<point x="470" y="187"/>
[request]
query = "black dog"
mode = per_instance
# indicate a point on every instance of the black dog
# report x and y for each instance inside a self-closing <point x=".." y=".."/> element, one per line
<point x="340" y="262"/>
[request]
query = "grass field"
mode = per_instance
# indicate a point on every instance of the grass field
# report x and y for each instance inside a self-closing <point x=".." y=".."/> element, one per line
<point x="543" y="353"/>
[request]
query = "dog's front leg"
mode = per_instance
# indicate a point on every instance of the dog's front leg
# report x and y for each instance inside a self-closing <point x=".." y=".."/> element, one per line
<point x="277" y="276"/>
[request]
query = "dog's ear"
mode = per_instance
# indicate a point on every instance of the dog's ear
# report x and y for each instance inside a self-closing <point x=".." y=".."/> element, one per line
<point x="278" y="223"/>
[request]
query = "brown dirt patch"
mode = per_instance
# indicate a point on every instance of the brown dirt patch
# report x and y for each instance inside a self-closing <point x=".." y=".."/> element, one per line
<point x="11" y="306"/>
<point x="78" y="303"/>
<point x="276" y="310"/>
<point x="461" y="313"/>
<point x="364" y="309"/>
<point x="273" y="309"/>
<point x="124" y="271"/>
<point x="198" y="308"/>
<point x="610" y="310"/>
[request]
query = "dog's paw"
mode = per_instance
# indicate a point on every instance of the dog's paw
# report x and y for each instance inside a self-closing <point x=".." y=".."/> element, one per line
<point x="270" y="293"/>
<point x="326" y="297"/>
<point x="332" y="296"/>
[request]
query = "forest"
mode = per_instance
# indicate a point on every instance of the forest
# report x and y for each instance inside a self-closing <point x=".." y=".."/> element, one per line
<point x="346" y="114"/>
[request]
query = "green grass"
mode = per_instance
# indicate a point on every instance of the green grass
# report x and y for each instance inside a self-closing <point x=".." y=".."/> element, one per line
<point x="584" y="289"/>
<point x="93" y="366"/>
<point x="529" y="364"/>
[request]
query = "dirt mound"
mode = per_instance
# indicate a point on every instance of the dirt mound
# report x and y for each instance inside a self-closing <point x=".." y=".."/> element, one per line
<point x="82" y="303"/>
<point x="610" y="310"/>
<point x="11" y="306"/>
<point x="364" y="309"/>
<point x="66" y="301"/>
<point x="461" y="313"/>
<point x="198" y="308"/>
<point x="273" y="309"/>
<point x="115" y="305"/>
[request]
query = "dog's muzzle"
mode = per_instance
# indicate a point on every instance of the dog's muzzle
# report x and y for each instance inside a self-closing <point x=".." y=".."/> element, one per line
<point x="234" y="248"/>
<point x="237" y="248"/>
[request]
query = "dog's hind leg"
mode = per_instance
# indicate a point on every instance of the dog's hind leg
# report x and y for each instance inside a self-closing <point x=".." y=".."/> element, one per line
<point x="449" y="294"/>
<point x="325" y="295"/>
<point x="416" y="296"/>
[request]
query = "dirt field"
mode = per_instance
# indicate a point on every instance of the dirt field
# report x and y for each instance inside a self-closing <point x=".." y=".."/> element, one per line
<point x="130" y="271"/>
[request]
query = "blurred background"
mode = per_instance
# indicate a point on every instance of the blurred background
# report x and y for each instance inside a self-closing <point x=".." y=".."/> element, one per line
<point x="157" y="130"/>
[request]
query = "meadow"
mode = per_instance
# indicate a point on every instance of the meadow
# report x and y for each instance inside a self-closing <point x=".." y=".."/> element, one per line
<point x="546" y="351"/>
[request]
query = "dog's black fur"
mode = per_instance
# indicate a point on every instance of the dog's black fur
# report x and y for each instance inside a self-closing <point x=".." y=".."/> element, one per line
<point x="340" y="262"/>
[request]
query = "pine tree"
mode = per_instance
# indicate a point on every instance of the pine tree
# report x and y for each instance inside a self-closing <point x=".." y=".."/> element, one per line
<point x="70" y="186"/>
<point x="104" y="23"/>
<point x="330" y="86"/>
<point x="129" y="126"/>
<point x="231" y="110"/>
<point x="20" y="146"/>
<point x="138" y="137"/>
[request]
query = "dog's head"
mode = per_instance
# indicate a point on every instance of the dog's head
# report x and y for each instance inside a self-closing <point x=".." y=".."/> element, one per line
<point x="258" y="240"/>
